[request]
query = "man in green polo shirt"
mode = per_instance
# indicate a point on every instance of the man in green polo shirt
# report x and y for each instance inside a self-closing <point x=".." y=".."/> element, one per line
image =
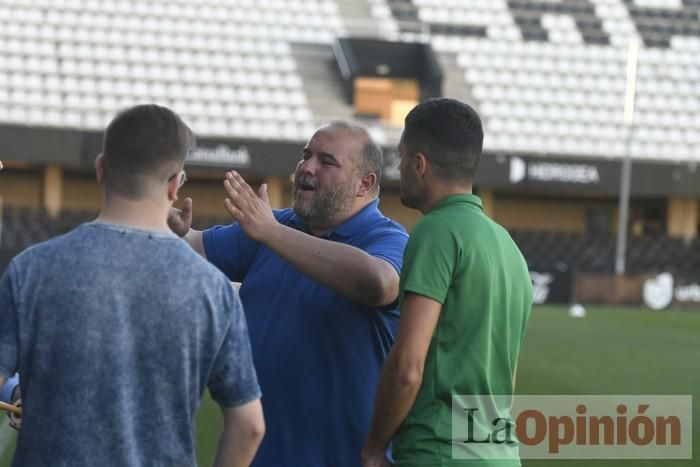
<point x="465" y="298"/>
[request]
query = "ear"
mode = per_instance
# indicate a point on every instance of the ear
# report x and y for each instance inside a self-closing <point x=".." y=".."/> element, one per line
<point x="100" y="168"/>
<point x="173" y="187"/>
<point x="421" y="164"/>
<point x="367" y="184"/>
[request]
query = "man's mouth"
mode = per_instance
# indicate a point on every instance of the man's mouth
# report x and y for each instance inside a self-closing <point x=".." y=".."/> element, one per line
<point x="306" y="186"/>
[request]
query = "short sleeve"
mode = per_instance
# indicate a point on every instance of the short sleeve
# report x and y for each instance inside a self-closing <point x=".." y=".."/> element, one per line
<point x="229" y="248"/>
<point x="389" y="244"/>
<point x="8" y="389"/>
<point x="233" y="381"/>
<point x="429" y="261"/>
<point x="222" y="249"/>
<point x="8" y="326"/>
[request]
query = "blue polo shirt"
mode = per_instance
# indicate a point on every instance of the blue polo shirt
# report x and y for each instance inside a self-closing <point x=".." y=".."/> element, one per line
<point x="316" y="352"/>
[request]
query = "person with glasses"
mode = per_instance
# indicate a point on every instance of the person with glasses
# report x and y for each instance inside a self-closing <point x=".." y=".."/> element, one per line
<point x="181" y="178"/>
<point x="117" y="327"/>
<point x="319" y="288"/>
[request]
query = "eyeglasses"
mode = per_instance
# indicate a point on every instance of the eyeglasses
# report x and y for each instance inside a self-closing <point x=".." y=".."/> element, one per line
<point x="183" y="178"/>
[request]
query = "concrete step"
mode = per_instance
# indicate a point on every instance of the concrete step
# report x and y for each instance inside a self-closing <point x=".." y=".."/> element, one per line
<point x="454" y="85"/>
<point x="322" y="82"/>
<point x="357" y="18"/>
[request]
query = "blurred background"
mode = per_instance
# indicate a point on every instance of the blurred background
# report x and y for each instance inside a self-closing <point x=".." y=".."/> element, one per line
<point x="552" y="80"/>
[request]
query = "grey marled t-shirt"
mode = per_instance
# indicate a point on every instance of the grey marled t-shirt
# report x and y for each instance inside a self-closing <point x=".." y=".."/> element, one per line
<point x="116" y="332"/>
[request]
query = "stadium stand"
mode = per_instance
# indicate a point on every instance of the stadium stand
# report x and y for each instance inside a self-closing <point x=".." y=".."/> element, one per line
<point x="228" y="70"/>
<point x="549" y="77"/>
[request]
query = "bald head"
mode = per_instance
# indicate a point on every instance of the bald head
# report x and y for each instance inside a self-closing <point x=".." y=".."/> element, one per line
<point x="371" y="159"/>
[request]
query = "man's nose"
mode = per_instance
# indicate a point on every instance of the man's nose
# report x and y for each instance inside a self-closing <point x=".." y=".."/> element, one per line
<point x="309" y="165"/>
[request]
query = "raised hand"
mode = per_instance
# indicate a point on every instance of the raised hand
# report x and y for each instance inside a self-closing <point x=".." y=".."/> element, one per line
<point x="180" y="220"/>
<point x="252" y="210"/>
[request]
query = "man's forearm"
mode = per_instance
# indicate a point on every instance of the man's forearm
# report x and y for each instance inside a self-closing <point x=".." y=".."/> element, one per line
<point x="346" y="269"/>
<point x="235" y="450"/>
<point x="396" y="393"/>
<point x="244" y="428"/>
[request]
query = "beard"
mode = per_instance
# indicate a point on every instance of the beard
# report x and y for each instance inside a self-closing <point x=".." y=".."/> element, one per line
<point x="325" y="205"/>
<point x="408" y="199"/>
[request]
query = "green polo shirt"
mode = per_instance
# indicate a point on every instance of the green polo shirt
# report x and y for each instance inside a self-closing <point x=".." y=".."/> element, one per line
<point x="459" y="257"/>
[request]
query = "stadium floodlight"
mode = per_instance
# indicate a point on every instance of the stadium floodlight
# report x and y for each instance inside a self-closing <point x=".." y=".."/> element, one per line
<point x="623" y="211"/>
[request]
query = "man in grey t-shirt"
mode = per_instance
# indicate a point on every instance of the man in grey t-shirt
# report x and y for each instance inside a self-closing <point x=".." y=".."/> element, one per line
<point x="118" y="327"/>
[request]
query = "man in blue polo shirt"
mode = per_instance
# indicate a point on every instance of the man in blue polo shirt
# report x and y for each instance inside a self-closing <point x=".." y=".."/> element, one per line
<point x="319" y="288"/>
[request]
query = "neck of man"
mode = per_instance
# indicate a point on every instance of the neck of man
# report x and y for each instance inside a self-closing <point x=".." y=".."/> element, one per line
<point x="146" y="214"/>
<point x="440" y="191"/>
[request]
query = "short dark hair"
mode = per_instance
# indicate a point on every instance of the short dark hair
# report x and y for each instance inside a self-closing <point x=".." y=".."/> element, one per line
<point x="449" y="134"/>
<point x="372" y="155"/>
<point x="143" y="145"/>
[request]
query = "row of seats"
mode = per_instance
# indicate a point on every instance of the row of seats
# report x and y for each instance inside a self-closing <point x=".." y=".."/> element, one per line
<point x="543" y="250"/>
<point x="577" y="252"/>
<point x="168" y="8"/>
<point x="23" y="227"/>
<point x="268" y="87"/>
<point x="144" y="63"/>
<point x="267" y="124"/>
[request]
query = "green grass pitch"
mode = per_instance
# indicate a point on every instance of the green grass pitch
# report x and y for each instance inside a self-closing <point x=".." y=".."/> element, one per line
<point x="611" y="351"/>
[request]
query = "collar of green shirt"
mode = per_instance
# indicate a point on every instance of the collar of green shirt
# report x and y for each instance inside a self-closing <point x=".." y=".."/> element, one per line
<point x="468" y="198"/>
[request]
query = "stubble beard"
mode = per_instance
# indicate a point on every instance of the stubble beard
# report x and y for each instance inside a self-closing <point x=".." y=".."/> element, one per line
<point x="327" y="204"/>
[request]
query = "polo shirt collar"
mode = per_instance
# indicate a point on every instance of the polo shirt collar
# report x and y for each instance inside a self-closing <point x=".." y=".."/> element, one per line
<point x="468" y="198"/>
<point x="356" y="224"/>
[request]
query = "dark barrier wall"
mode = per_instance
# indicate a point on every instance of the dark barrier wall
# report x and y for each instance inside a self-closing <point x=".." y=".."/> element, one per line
<point x="608" y="289"/>
<point x="571" y="174"/>
<point x="41" y="145"/>
<point x="587" y="175"/>
<point x="250" y="157"/>
<point x="74" y="148"/>
<point x="658" y="292"/>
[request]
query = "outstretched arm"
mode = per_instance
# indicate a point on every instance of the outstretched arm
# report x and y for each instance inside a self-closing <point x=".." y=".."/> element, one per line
<point x="349" y="270"/>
